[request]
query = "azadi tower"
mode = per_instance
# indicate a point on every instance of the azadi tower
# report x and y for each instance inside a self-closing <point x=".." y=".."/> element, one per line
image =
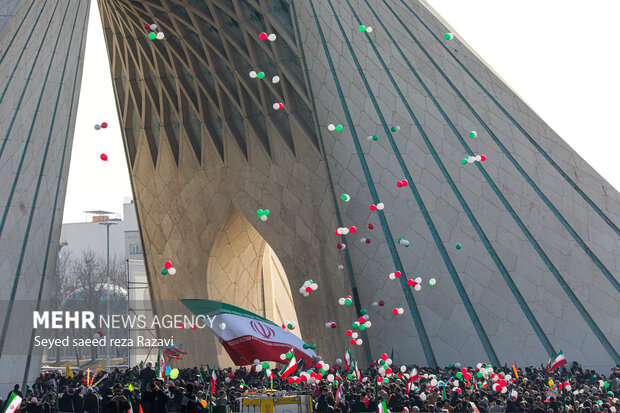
<point x="536" y="268"/>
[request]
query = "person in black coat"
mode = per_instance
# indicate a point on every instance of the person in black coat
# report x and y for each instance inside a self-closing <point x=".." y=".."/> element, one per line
<point x="91" y="402"/>
<point x="160" y="397"/>
<point x="65" y="401"/>
<point x="147" y="376"/>
<point x="116" y="402"/>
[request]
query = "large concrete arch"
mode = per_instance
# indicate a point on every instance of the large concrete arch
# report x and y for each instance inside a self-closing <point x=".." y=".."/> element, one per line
<point x="539" y="227"/>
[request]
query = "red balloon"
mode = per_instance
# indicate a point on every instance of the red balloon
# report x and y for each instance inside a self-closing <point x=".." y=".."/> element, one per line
<point x="483" y="158"/>
<point x="388" y="371"/>
<point x="104" y="157"/>
<point x="405" y="182"/>
<point x="362" y="320"/>
<point x="167" y="265"/>
<point x="397" y="274"/>
<point x="371" y="226"/>
<point x="395" y="311"/>
<point x="352" y="341"/>
<point x="367" y="240"/>
<point x="503" y="383"/>
<point x="501" y="376"/>
<point x="467" y="376"/>
<point x="349" y="333"/>
<point x="147" y="26"/>
<point x="333" y="325"/>
<point x="373" y="207"/>
<point x="352" y="229"/>
<point x="231" y="375"/>
<point x="336" y="232"/>
<point x="319" y="376"/>
<point x="193" y="327"/>
<point x="384" y="356"/>
<point x="411" y="283"/>
<point x="290" y="380"/>
<point x="100" y="333"/>
<point x="458" y="390"/>
<point x="180" y="325"/>
<point x="313" y="374"/>
<point x="463" y="371"/>
<point x="339" y="246"/>
<point x="263" y="36"/>
<point x="381" y="303"/>
<point x="399" y="184"/>
<point x="308" y="289"/>
<point x="104" y="125"/>
<point x="298" y="380"/>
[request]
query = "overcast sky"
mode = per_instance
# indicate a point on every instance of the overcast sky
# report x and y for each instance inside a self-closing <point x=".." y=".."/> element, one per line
<point x="559" y="55"/>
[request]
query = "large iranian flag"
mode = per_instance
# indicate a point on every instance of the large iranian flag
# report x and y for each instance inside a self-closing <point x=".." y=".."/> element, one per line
<point x="247" y="336"/>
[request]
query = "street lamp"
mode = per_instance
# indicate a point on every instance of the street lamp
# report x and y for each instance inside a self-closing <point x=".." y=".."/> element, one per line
<point x="107" y="333"/>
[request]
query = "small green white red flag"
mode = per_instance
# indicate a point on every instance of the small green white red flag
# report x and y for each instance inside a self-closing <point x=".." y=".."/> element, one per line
<point x="556" y="362"/>
<point x="290" y="368"/>
<point x="13" y="403"/>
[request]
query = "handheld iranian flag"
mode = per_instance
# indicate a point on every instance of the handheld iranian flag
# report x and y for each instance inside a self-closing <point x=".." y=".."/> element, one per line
<point x="13" y="403"/>
<point x="161" y="365"/>
<point x="290" y="368"/>
<point x="413" y="376"/>
<point x="383" y="407"/>
<point x="356" y="371"/>
<point x="347" y="360"/>
<point x="213" y="381"/>
<point x="558" y="361"/>
<point x="339" y="392"/>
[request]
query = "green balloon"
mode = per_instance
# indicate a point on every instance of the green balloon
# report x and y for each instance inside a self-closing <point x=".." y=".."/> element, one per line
<point x="260" y="75"/>
<point x="386" y="380"/>
<point x="447" y="36"/>
<point x="312" y="346"/>
<point x="259" y="212"/>
<point x="152" y="36"/>
<point x="375" y="137"/>
<point x="459" y="375"/>
<point x="459" y="246"/>
<point x="323" y="371"/>
<point x="306" y="346"/>
<point x="472" y="134"/>
<point x="344" y="197"/>
<point x="382" y="362"/>
<point x="362" y="327"/>
<point x="464" y="161"/>
<point x="606" y="385"/>
<point x="348" y="301"/>
<point x="362" y="29"/>
<point x="164" y="271"/>
<point x="265" y="365"/>
<point x="393" y="129"/>
<point x="363" y="311"/>
<point x="349" y="376"/>
<point x="479" y="375"/>
<point x="290" y="326"/>
<point x="354" y="325"/>
<point x="339" y="128"/>
<point x="289" y="355"/>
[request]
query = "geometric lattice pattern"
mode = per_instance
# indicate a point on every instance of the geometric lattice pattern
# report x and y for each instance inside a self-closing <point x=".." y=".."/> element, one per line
<point x="195" y="82"/>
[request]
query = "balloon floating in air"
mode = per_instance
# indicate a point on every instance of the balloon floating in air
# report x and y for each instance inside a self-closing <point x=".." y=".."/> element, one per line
<point x="395" y="128"/>
<point x="262" y="215"/>
<point x="379" y="206"/>
<point x="398" y="311"/>
<point x="432" y="282"/>
<point x="330" y="324"/>
<point x="341" y="246"/>
<point x="288" y="326"/>
<point x="272" y="37"/>
<point x="153" y="27"/>
<point x="275" y="79"/>
<point x="472" y="159"/>
<point x="308" y="287"/>
<point x="403" y="242"/>
<point x="341" y="267"/>
<point x="394" y="275"/>
<point x="263" y="36"/>
<point x="402" y="183"/>
<point x="160" y="36"/>
<point x="473" y="134"/>
<point x="448" y="36"/>
<point x="97" y="126"/>
<point x="278" y="106"/>
<point x="459" y="246"/>
<point x="172" y="271"/>
<point x="103" y="157"/>
<point x="365" y="240"/>
<point x="373" y="138"/>
<point x="152" y="35"/>
<point x="345" y="197"/>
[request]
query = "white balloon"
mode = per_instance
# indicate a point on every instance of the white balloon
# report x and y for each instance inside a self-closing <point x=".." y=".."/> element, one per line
<point x="362" y="240"/>
<point x="418" y="280"/>
<point x="504" y="390"/>
<point x="478" y="158"/>
<point x="341" y="301"/>
<point x="568" y="388"/>
<point x="401" y="311"/>
<point x="227" y="380"/>
<point x="355" y="335"/>
<point x="325" y="366"/>
<point x="331" y="127"/>
<point x="272" y="37"/>
<point x="253" y="74"/>
<point x="479" y="365"/>
<point x="263" y="218"/>
<point x="153" y="27"/>
<point x="222" y="326"/>
<point x="508" y="377"/>
<point x="392" y="276"/>
<point x="345" y="231"/>
<point x="369" y="29"/>
<point x="160" y="36"/>
<point x="418" y="287"/>
<point x="380" y="206"/>
<point x="374" y="303"/>
<point x="382" y="371"/>
<point x="388" y="362"/>
<point x="306" y="294"/>
<point x="403" y="369"/>
<point x="369" y="138"/>
<point x="433" y="281"/>
<point x="275" y="79"/>
<point x="276" y="106"/>
<point x="256" y="361"/>
<point x="434" y="382"/>
<point x="338" y="361"/>
<point x="341" y="267"/>
<point x="471" y="159"/>
<point x="172" y="271"/>
<point x="423" y="396"/>
<point x="259" y="368"/>
<point x="311" y="380"/>
<point x="315" y="286"/>
<point x="330" y="378"/>
<point x="368" y="324"/>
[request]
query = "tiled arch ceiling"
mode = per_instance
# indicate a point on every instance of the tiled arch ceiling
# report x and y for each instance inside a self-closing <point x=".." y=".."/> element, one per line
<point x="196" y="81"/>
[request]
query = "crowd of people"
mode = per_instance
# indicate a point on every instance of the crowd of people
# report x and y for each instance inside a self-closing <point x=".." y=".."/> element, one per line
<point x="141" y="391"/>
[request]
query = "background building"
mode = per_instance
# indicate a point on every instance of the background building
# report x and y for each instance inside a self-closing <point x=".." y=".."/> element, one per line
<point x="42" y="44"/>
<point x="538" y="268"/>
